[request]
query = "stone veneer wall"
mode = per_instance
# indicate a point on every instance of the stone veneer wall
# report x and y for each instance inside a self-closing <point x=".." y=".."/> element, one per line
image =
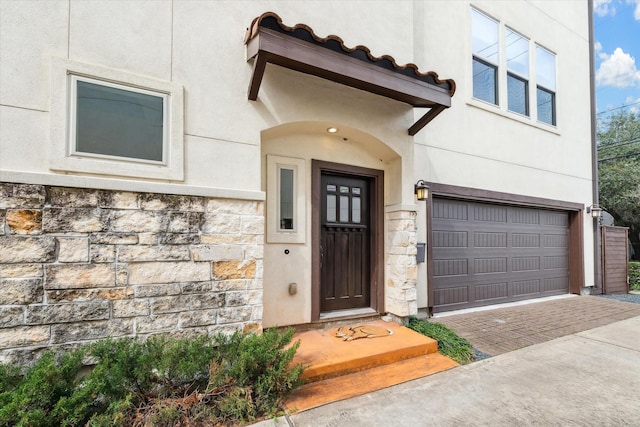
<point x="402" y="270"/>
<point x="77" y="265"/>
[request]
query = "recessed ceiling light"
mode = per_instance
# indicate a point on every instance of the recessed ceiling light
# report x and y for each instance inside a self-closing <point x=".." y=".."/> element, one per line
<point x="332" y="130"/>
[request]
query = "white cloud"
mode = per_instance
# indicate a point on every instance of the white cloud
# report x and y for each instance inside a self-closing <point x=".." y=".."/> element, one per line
<point x="636" y="13"/>
<point x="604" y="8"/>
<point x="618" y="70"/>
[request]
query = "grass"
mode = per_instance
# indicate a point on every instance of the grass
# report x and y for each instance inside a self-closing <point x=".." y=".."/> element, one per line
<point x="449" y="343"/>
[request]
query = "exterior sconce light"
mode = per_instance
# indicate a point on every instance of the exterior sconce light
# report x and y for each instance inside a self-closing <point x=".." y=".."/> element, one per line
<point x="421" y="190"/>
<point x="594" y="210"/>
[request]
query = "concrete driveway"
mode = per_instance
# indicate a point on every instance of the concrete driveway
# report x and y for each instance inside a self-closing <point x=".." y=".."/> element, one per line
<point x="584" y="379"/>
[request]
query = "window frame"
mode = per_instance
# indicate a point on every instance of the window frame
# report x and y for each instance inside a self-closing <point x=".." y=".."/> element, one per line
<point x="73" y="115"/>
<point x="496" y="78"/>
<point x="275" y="232"/>
<point x="527" y="110"/>
<point x="476" y="57"/>
<point x="512" y="73"/>
<point x="505" y="75"/>
<point x="64" y="155"/>
<point x="542" y="87"/>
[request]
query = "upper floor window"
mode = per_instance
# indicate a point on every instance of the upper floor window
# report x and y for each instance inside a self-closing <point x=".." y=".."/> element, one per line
<point x="546" y="85"/>
<point x="517" y="48"/>
<point x="486" y="56"/>
<point x="503" y="70"/>
<point x="117" y="121"/>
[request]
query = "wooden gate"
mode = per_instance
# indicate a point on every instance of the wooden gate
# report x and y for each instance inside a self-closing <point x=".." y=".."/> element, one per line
<point x="615" y="260"/>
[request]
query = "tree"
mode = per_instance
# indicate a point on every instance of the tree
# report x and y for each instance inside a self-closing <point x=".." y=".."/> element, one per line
<point x="618" y="139"/>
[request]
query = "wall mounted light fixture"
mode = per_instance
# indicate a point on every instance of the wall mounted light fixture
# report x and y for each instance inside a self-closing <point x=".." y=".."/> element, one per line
<point x="421" y="190"/>
<point x="594" y="210"/>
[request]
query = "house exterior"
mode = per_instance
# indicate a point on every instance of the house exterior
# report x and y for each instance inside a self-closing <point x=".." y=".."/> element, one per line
<point x="203" y="167"/>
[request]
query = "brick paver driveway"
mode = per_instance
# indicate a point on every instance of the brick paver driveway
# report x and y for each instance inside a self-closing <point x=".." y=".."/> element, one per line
<point x="502" y="330"/>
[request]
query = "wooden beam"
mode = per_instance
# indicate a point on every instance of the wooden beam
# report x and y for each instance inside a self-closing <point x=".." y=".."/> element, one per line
<point x="424" y="120"/>
<point x="259" y="65"/>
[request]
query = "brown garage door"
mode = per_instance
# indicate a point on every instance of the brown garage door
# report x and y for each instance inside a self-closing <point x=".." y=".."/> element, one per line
<point x="488" y="254"/>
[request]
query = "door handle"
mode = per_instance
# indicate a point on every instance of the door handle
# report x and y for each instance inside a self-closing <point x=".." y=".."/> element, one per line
<point x="321" y="256"/>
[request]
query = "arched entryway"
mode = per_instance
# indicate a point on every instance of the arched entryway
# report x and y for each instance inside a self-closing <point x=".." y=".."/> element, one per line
<point x="305" y="169"/>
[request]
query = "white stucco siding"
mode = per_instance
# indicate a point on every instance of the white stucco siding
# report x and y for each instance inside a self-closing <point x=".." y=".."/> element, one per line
<point x="131" y="36"/>
<point x="197" y="45"/>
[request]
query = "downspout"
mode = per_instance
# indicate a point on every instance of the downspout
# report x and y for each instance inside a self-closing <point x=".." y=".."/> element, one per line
<point x="597" y="270"/>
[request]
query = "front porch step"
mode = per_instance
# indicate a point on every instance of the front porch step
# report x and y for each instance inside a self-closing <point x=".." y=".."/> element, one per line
<point x="338" y="369"/>
<point x="312" y="395"/>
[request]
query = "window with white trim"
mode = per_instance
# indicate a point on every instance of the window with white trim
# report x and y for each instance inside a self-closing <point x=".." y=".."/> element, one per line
<point x="486" y="57"/>
<point x="285" y="199"/>
<point x="517" y="47"/>
<point x="110" y="122"/>
<point x="546" y="85"/>
<point x="522" y="78"/>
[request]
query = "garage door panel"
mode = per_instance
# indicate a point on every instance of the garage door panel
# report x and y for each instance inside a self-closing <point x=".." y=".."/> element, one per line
<point x="450" y="267"/>
<point x="450" y="209"/>
<point x="525" y="240"/>
<point x="490" y="239"/>
<point x="490" y="265"/>
<point x="451" y="297"/>
<point x="525" y="287"/>
<point x="491" y="291"/>
<point x="490" y="213"/>
<point x="489" y="253"/>
<point x="450" y="239"/>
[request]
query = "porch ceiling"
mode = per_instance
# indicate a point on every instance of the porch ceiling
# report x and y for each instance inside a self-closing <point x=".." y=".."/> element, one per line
<point x="298" y="48"/>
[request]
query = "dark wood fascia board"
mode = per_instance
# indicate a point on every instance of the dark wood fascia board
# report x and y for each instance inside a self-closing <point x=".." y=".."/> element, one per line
<point x="453" y="191"/>
<point x="276" y="48"/>
<point x="576" y="252"/>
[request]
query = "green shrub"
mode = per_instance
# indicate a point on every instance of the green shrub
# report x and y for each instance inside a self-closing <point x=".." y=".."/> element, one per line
<point x="256" y="367"/>
<point x="449" y="343"/>
<point x="160" y="381"/>
<point x="33" y="400"/>
<point x="634" y="275"/>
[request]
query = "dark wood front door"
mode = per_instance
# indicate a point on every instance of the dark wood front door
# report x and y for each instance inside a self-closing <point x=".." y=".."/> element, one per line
<point x="345" y="242"/>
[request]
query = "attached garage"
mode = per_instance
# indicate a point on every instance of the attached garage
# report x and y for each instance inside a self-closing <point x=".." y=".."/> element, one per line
<point x="483" y="253"/>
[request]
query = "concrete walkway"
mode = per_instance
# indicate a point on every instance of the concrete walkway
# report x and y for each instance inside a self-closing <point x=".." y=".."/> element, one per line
<point x="590" y="378"/>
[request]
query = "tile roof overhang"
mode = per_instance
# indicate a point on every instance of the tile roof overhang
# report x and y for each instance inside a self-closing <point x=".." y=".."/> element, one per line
<point x="298" y="48"/>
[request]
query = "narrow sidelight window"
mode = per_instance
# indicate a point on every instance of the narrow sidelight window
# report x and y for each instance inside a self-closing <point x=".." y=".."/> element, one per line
<point x="286" y="198"/>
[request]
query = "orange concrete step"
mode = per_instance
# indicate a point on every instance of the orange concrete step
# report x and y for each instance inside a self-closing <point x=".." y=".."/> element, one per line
<point x="355" y="384"/>
<point x="326" y="356"/>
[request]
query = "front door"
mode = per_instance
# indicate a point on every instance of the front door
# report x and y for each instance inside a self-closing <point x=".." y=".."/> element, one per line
<point x="345" y="242"/>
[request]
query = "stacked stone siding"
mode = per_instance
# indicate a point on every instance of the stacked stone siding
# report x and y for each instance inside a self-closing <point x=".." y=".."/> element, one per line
<point x="77" y="265"/>
<point x="402" y="270"/>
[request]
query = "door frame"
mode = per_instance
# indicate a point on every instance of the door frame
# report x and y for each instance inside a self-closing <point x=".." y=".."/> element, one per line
<point x="376" y="209"/>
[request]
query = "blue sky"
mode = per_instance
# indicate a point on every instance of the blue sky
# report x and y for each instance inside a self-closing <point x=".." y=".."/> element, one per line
<point x="617" y="46"/>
